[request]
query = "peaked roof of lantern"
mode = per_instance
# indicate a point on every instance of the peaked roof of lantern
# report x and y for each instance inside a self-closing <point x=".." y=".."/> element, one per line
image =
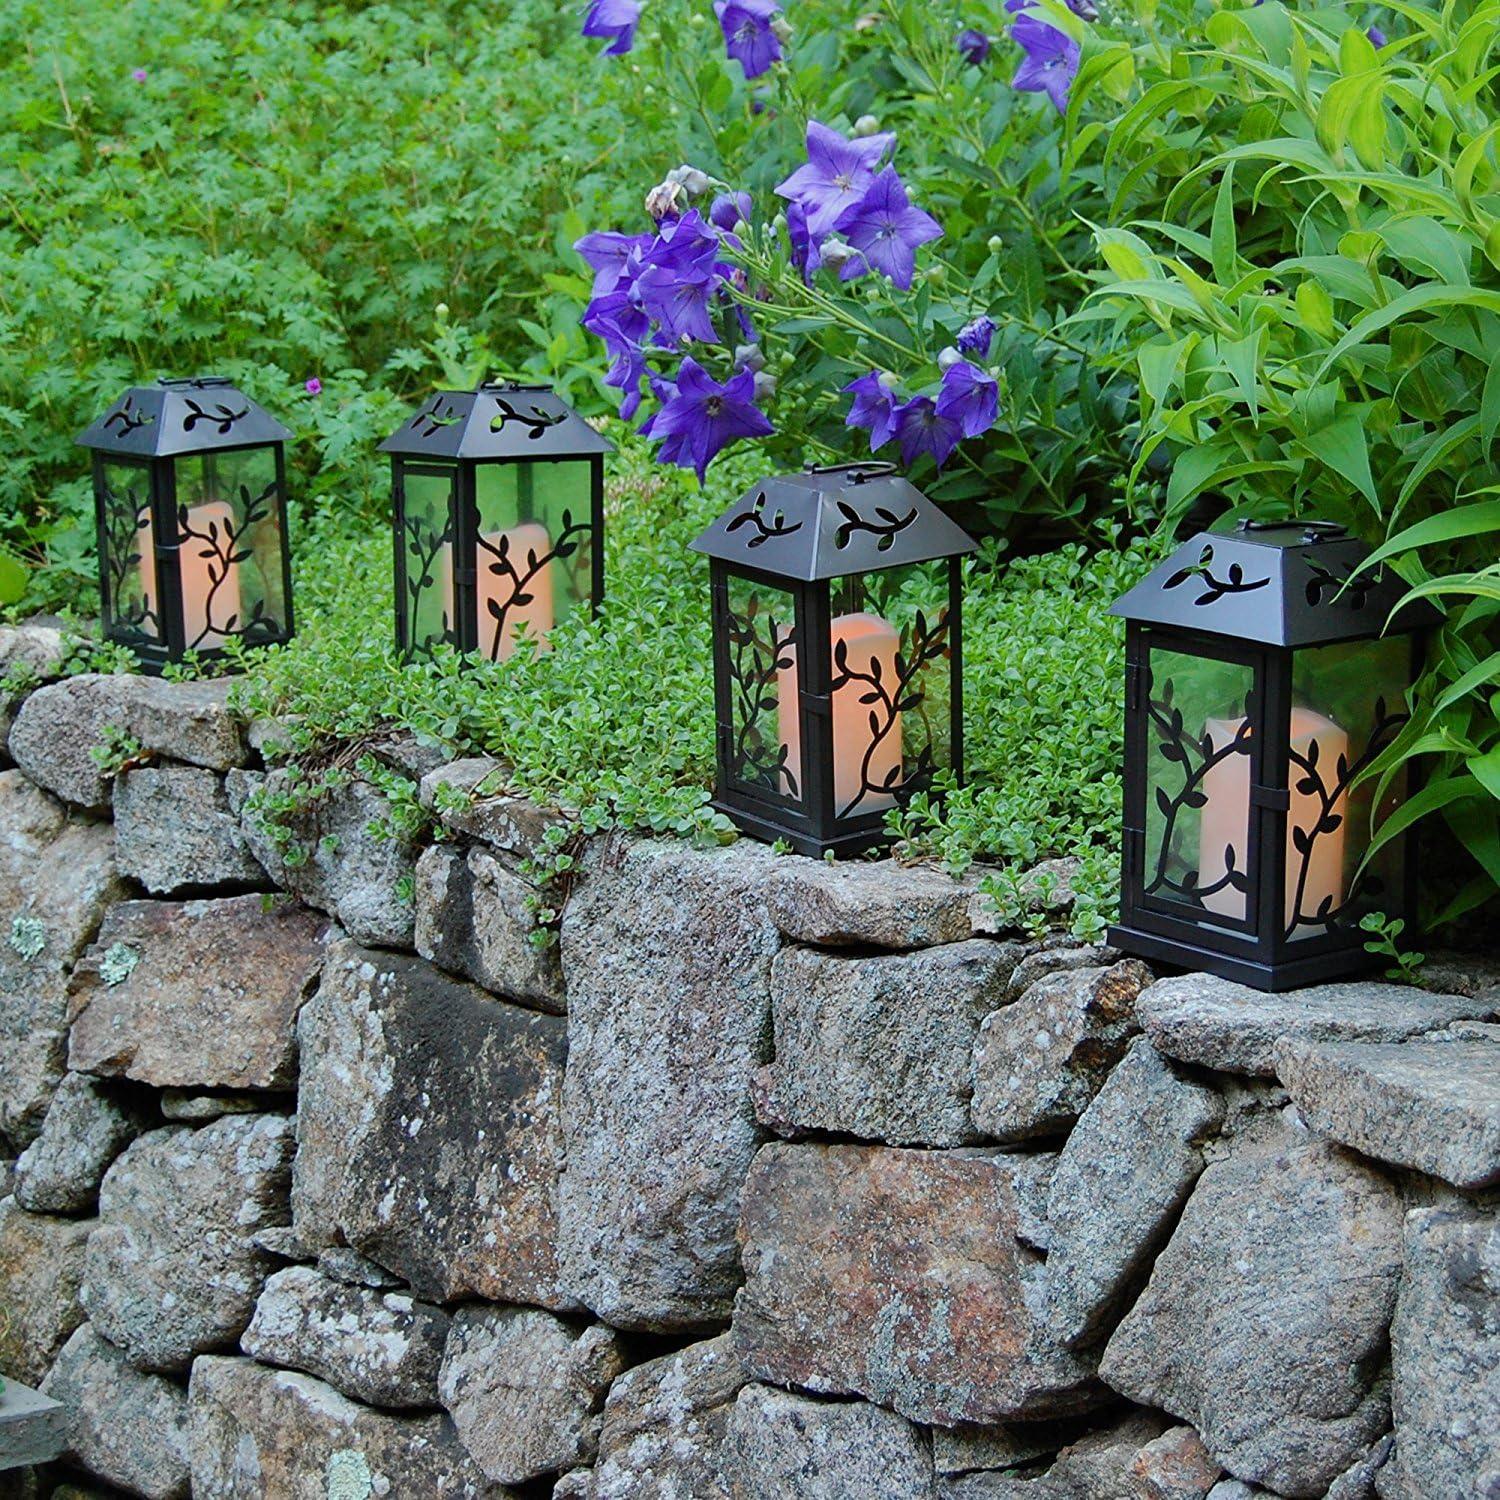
<point x="831" y="522"/>
<point x="182" y="416"/>
<point x="1278" y="584"/>
<point x="496" y="422"/>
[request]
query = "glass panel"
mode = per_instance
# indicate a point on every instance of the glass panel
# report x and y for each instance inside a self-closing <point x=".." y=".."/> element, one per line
<point x="892" y="685"/>
<point x="535" y="548"/>
<point x="230" y="547"/>
<point x="426" y="539"/>
<point x="1348" y="704"/>
<point x="1199" y="762"/>
<point x="764" y="754"/>
<point x="129" y="562"/>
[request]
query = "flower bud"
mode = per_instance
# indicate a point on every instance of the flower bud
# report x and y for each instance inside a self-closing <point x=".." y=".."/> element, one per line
<point x="836" y="254"/>
<point x="779" y="223"/>
<point x="441" y="310"/>
<point x="996" y="244"/>
<point x="949" y="357"/>
<point x="781" y="28"/>
<point x="866" y="125"/>
<point x="691" y="179"/>
<point x="749" y="357"/>
<point x="765" y="386"/>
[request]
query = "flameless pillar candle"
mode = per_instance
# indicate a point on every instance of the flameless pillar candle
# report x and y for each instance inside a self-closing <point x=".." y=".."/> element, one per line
<point x="524" y="546"/>
<point x="1226" y="818"/>
<point x="210" y="582"/>
<point x="862" y="756"/>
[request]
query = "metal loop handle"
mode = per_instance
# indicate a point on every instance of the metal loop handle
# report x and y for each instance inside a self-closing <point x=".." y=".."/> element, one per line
<point x="861" y="469"/>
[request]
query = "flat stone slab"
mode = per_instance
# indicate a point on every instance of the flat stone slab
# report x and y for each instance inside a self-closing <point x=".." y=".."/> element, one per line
<point x="1198" y="1018"/>
<point x="33" y="1427"/>
<point x="856" y="904"/>
<point x="1433" y="1106"/>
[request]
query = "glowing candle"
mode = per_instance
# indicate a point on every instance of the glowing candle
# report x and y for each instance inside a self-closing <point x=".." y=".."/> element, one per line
<point x="1225" y="820"/>
<point x="510" y="562"/>
<point x="866" y="757"/>
<point x="210" y="577"/>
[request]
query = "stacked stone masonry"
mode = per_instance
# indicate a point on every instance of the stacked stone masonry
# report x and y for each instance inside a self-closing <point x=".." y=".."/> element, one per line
<point x="329" y="1175"/>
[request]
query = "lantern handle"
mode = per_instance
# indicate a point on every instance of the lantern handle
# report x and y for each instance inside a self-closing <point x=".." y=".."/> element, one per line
<point x="1312" y="531"/>
<point x="194" y="382"/>
<point x="513" y="386"/>
<point x="861" y="469"/>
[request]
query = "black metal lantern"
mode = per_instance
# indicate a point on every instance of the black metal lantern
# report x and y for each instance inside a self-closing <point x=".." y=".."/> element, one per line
<point x="499" y="518"/>
<point x="190" y="499"/>
<point x="1261" y="683"/>
<point x="838" y="660"/>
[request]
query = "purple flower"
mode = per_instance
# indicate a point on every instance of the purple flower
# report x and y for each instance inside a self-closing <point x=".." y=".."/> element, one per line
<point x="968" y="397"/>
<point x="313" y="386"/>
<point x="1051" y="62"/>
<point x="610" y="255"/>
<point x="873" y="408"/>
<point x="973" y="46"/>
<point x="976" y="337"/>
<point x="615" y="19"/>
<point x="728" y="210"/>
<point x="676" y="298"/>
<point x="807" y="251"/>
<point x="1377" y="37"/>
<point x="139" y="74"/>
<point x="700" y="416"/>
<point x="748" y="37"/>
<point x="886" y="229"/>
<point x="835" y="176"/>
<point x="921" y="429"/>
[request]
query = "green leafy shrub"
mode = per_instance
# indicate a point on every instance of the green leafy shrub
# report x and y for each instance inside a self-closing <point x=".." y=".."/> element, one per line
<point x="1314" y="319"/>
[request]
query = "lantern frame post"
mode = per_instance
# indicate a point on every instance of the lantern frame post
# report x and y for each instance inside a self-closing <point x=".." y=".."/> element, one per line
<point x="1256" y="599"/>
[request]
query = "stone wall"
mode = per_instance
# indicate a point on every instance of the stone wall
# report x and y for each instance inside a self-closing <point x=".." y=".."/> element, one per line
<point x="770" y="1179"/>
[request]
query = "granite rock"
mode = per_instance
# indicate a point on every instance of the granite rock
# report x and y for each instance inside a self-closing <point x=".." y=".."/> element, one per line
<point x="1174" y="1466"/>
<point x="427" y="1129"/>
<point x="780" y="1445"/>
<point x="474" y="918"/>
<point x="32" y="652"/>
<point x="1215" y="1023"/>
<point x="665" y="1423"/>
<point x="383" y="1348"/>
<point x="59" y="725"/>
<point x="41" y="1269"/>
<point x="867" y="904"/>
<point x="1433" y="1106"/>
<point x="469" y="798"/>
<point x="1040" y="962"/>
<point x="525" y="1389"/>
<point x="57" y="878"/>
<point x="1357" y="1482"/>
<point x="351" y="870"/>
<point x="1040" y="1060"/>
<point x="173" y="1269"/>
<point x="87" y="1125"/>
<point x="880" y="1047"/>
<point x="174" y="831"/>
<point x="1121" y="1178"/>
<point x="667" y="952"/>
<point x="213" y="998"/>
<point x="1445" y="1359"/>
<point x="902" y="1276"/>
<point x="1264" y="1321"/>
<point x="260" y="1434"/>
<point x="124" y="1426"/>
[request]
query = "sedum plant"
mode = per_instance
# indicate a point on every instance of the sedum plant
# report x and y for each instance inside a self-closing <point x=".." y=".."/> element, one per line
<point x="1313" y="317"/>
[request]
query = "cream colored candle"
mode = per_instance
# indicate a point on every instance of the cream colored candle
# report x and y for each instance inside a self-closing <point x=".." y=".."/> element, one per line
<point x="862" y="756"/>
<point x="210" y="584"/>
<point x="525" y="546"/>
<point x="1225" y="821"/>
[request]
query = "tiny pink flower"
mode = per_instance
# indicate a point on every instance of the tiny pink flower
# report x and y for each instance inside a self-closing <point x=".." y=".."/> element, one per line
<point x="139" y="74"/>
<point x="313" y="386"/>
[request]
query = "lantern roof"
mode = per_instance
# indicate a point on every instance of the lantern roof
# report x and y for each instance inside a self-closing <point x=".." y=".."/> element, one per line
<point x="832" y="521"/>
<point x="1287" y="584"/>
<point x="195" y="415"/>
<point x="496" y="421"/>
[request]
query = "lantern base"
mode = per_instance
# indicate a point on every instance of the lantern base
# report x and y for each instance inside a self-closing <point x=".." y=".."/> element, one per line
<point x="769" y="831"/>
<point x="1293" y="974"/>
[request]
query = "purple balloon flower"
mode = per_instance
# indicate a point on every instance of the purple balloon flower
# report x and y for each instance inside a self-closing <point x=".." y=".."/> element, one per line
<point x="748" y="37"/>
<point x="976" y="337"/>
<point x="1051" y="61"/>
<point x="616" y="20"/>
<point x="886" y="229"/>
<point x="973" y="46"/>
<point x="1377" y="37"/>
<point x="700" y="417"/>
<point x="613" y="257"/>
<point x="921" y="429"/>
<point x="835" y="176"/>
<point x="807" y="249"/>
<point x="968" y="397"/>
<point x="728" y="209"/>
<point x="313" y="386"/>
<point x="874" y="407"/>
<point x="677" y="298"/>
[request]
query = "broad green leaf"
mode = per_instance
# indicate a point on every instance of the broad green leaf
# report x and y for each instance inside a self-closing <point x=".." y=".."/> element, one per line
<point x="1342" y="447"/>
<point x="12" y="578"/>
<point x="1468" y="520"/>
<point x="1225" y="248"/>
